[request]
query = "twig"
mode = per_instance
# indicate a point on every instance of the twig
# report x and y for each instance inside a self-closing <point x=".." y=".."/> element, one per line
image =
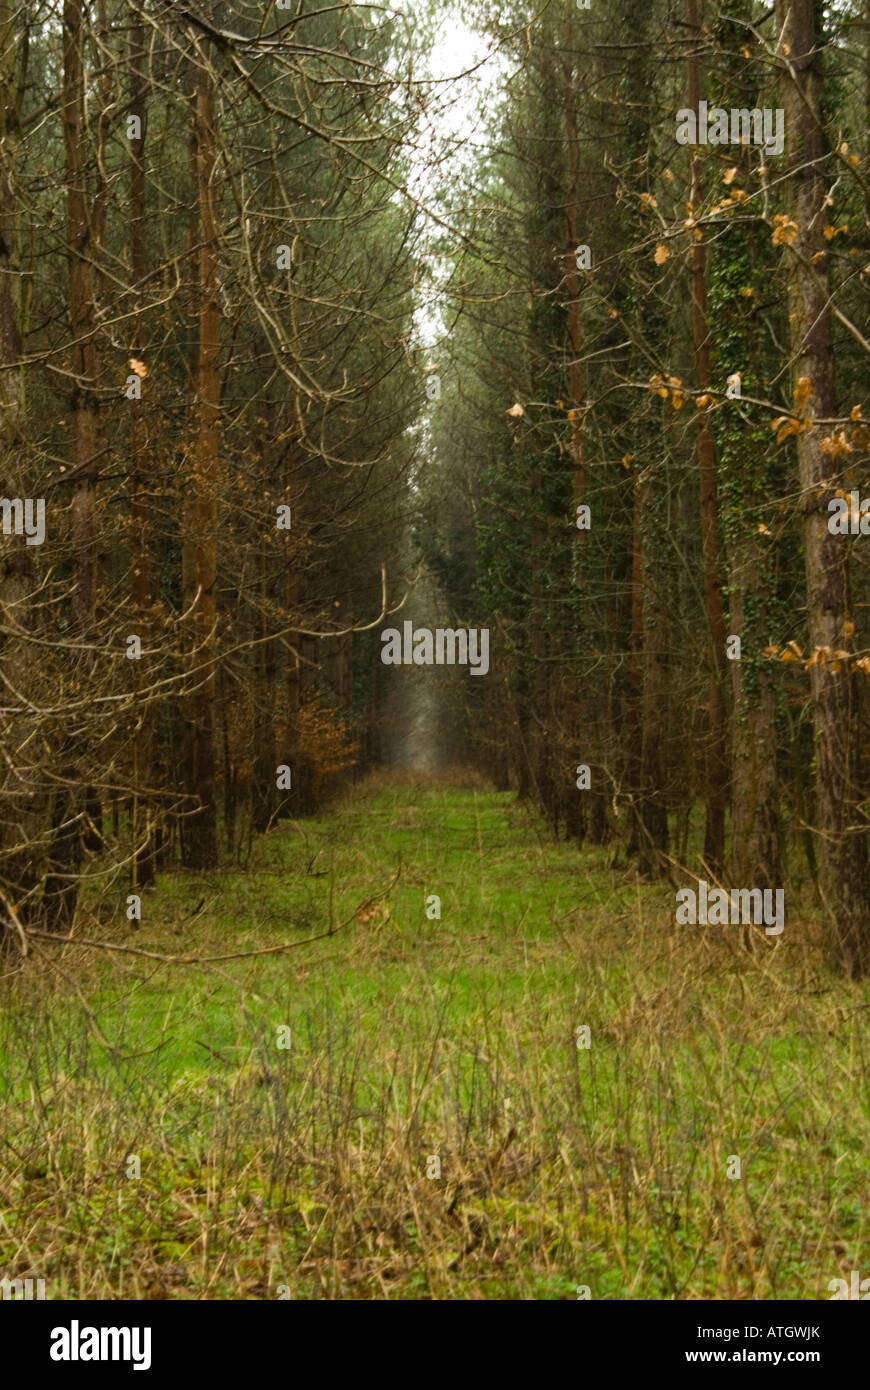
<point x="201" y="960"/>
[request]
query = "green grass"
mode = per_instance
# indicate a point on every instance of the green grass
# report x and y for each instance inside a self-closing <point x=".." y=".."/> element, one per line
<point x="307" y="1168"/>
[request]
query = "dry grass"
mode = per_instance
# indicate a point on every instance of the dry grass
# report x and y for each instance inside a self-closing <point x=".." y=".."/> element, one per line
<point x="305" y="1170"/>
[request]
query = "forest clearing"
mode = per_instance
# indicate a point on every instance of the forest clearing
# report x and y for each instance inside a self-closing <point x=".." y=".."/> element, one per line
<point x="302" y="1172"/>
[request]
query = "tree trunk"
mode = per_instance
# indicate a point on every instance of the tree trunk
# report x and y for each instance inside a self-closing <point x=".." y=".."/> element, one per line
<point x="71" y="803"/>
<point x="202" y="831"/>
<point x="263" y="790"/>
<point x="20" y="798"/>
<point x="841" y="826"/>
<point x="140" y="521"/>
<point x="588" y="749"/>
<point x="755" y="850"/>
<point x="184" y="724"/>
<point x="649" y="839"/>
<point x="717" y="747"/>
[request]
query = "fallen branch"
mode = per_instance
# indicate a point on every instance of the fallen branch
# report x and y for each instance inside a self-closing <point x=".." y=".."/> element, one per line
<point x="195" y="959"/>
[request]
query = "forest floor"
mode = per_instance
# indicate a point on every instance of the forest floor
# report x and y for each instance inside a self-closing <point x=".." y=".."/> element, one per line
<point x="433" y="1128"/>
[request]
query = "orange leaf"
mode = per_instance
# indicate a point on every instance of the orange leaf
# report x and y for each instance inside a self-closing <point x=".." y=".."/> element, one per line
<point x="784" y="231"/>
<point x="803" y="391"/>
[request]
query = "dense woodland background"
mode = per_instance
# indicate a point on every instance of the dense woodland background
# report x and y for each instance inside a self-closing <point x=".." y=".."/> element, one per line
<point x="236" y="244"/>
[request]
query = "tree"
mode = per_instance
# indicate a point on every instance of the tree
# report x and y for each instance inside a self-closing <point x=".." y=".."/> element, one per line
<point x="839" y="820"/>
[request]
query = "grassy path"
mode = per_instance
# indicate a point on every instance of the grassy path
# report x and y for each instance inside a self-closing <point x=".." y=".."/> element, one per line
<point x="433" y="1128"/>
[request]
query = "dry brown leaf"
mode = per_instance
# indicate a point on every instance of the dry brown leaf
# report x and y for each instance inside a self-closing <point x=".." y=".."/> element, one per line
<point x="784" y="230"/>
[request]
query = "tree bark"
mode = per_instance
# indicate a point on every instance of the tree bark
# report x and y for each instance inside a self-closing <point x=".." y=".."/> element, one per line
<point x="649" y="833"/>
<point x="71" y="794"/>
<point x="202" y="837"/>
<point x="140" y="521"/>
<point x="20" y="797"/>
<point x="717" y="747"/>
<point x="841" y="826"/>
